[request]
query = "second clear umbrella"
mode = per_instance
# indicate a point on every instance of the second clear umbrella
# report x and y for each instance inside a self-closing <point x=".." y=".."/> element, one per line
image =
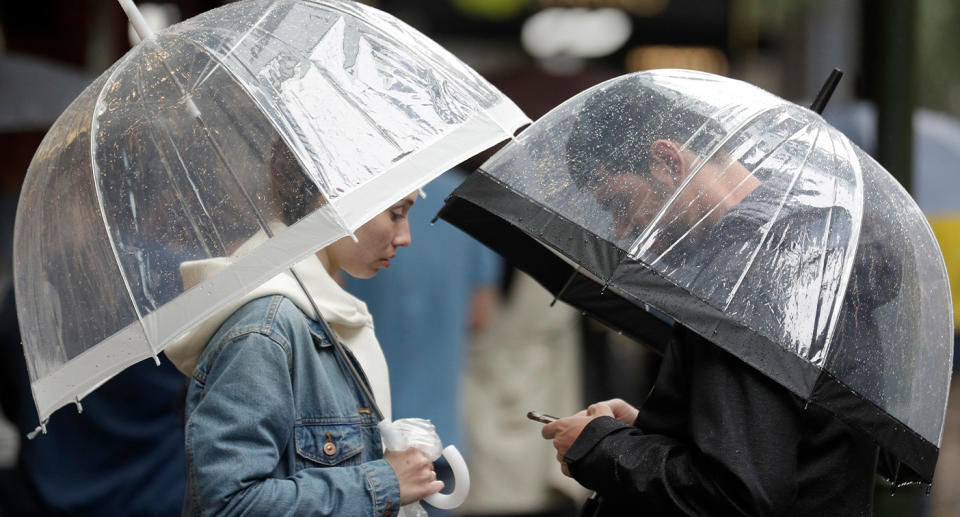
<point x="749" y="220"/>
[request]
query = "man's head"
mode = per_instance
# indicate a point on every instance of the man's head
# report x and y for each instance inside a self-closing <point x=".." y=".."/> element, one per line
<point x="632" y="148"/>
<point x="617" y="126"/>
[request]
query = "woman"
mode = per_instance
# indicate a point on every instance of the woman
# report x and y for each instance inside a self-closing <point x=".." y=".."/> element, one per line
<point x="275" y="423"/>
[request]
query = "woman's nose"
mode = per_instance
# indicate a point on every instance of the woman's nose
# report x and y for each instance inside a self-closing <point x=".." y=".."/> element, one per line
<point x="402" y="238"/>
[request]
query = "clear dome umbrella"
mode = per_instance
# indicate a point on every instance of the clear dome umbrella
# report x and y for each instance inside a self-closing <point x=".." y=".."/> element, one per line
<point x="674" y="195"/>
<point x="320" y="113"/>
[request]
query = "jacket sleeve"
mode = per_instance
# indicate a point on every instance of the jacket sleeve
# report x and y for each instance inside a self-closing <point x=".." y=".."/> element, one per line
<point x="241" y="426"/>
<point x="734" y="454"/>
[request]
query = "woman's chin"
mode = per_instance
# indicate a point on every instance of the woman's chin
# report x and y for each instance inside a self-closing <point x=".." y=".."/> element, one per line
<point x="363" y="274"/>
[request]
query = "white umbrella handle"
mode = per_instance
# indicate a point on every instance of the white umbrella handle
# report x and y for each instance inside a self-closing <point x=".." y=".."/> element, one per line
<point x="461" y="480"/>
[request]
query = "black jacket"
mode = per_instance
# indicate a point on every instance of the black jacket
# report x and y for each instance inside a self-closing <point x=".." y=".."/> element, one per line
<point x="716" y="437"/>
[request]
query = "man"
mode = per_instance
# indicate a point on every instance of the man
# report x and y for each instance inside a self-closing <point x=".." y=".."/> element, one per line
<point x="715" y="436"/>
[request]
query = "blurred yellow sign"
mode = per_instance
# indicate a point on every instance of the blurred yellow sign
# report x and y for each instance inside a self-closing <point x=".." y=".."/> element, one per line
<point x="947" y="229"/>
<point x="637" y="7"/>
<point x="494" y="10"/>
<point x="705" y="59"/>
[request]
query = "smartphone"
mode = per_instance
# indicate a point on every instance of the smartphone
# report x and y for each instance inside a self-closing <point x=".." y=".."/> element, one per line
<point x="540" y="417"/>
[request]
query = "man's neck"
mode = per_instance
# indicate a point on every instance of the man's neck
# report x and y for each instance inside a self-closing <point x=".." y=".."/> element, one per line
<point x="733" y="183"/>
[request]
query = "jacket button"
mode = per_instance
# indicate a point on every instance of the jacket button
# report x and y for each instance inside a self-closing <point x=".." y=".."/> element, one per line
<point x="329" y="448"/>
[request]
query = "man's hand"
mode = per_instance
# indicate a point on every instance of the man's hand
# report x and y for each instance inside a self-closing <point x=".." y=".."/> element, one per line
<point x="622" y="411"/>
<point x="565" y="431"/>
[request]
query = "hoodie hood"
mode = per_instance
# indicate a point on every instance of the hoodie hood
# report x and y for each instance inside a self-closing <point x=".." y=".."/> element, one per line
<point x="346" y="315"/>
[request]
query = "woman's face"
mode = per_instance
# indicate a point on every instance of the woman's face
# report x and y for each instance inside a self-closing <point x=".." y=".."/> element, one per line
<point x="378" y="240"/>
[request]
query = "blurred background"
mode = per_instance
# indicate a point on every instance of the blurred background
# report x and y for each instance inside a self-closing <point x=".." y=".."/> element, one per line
<point x="899" y="100"/>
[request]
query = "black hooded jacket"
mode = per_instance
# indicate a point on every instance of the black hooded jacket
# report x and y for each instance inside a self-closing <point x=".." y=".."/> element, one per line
<point x="716" y="437"/>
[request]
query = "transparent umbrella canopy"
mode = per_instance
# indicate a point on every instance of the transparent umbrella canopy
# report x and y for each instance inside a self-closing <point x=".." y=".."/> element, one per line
<point x="746" y="218"/>
<point x="316" y="113"/>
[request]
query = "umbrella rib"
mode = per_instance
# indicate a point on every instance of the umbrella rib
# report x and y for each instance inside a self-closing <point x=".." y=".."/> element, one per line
<point x="818" y="356"/>
<point x="345" y="95"/>
<point x="95" y="173"/>
<point x="769" y="225"/>
<point x="823" y="273"/>
<point x="421" y="49"/>
<point x="853" y="245"/>
<point x="635" y="249"/>
<point x="697" y="224"/>
<point x="179" y="192"/>
<point x="296" y="148"/>
<point x="705" y="216"/>
<point x="206" y="74"/>
<point x="176" y="187"/>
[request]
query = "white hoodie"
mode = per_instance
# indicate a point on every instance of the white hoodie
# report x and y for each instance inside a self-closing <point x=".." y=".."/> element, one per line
<point x="347" y="315"/>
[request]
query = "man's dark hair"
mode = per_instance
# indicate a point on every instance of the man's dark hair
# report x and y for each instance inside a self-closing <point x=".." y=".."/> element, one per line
<point x="616" y="126"/>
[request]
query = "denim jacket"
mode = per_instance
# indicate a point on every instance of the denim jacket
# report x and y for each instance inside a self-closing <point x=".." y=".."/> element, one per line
<point x="276" y="425"/>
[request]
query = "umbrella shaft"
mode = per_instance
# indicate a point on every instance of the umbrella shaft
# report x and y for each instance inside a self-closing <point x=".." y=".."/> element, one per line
<point x="367" y="392"/>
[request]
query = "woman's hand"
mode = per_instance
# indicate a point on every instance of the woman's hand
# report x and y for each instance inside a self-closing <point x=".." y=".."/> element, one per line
<point x="415" y="473"/>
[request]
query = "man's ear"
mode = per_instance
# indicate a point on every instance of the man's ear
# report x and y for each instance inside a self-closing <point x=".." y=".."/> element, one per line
<point x="666" y="163"/>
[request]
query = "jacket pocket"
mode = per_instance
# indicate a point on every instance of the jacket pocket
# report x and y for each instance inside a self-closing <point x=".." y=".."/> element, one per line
<point x="328" y="444"/>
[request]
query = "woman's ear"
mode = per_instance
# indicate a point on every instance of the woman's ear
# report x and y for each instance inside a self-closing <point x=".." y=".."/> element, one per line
<point x="666" y="163"/>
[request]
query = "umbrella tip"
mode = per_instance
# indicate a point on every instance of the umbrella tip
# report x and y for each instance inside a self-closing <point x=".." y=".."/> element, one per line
<point x="136" y="19"/>
<point x="826" y="91"/>
<point x="79" y="405"/>
<point x="42" y="428"/>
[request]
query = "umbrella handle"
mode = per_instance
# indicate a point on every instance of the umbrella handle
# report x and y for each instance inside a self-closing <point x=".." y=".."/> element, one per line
<point x="461" y="476"/>
<point x="461" y="482"/>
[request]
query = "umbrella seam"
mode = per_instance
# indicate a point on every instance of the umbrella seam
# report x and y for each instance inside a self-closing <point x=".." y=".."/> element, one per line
<point x="854" y="244"/>
<point x="95" y="172"/>
<point x="634" y="248"/>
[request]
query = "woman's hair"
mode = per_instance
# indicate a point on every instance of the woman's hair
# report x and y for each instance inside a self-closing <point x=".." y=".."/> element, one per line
<point x="615" y="127"/>
<point x="294" y="193"/>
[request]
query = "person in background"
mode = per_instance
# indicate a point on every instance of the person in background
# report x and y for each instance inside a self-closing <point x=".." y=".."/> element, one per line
<point x="122" y="456"/>
<point x="529" y="358"/>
